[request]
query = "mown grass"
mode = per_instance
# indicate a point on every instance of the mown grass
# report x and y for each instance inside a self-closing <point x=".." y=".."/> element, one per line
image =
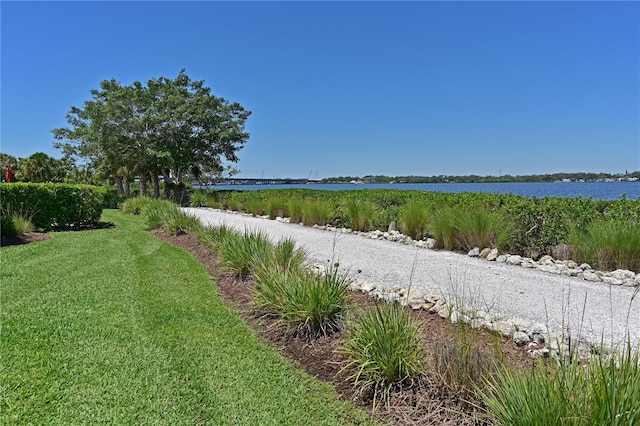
<point x="114" y="326"/>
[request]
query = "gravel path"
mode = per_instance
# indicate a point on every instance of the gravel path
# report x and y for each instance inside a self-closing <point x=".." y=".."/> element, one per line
<point x="598" y="311"/>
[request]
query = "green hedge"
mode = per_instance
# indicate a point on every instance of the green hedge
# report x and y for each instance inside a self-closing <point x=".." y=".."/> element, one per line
<point x="53" y="206"/>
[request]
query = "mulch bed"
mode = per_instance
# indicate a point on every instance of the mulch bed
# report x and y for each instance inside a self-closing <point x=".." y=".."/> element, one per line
<point x="423" y="404"/>
<point x="26" y="238"/>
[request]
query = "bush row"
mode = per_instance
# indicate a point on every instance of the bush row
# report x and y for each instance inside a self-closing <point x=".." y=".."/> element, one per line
<point x="526" y="226"/>
<point x="50" y="206"/>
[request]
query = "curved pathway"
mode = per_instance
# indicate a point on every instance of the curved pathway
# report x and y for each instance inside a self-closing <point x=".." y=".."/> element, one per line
<point x="596" y="311"/>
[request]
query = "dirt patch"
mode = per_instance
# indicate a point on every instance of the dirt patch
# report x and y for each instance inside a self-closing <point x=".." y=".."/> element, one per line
<point x="26" y="238"/>
<point x="424" y="404"/>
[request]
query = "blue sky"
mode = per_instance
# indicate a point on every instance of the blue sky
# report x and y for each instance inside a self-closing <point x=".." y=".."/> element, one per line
<point x="352" y="88"/>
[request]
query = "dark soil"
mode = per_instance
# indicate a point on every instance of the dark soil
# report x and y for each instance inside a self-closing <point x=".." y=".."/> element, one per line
<point x="26" y="238"/>
<point x="425" y="403"/>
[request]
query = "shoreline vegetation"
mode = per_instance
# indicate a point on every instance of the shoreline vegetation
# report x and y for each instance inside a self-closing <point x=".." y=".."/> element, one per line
<point x="602" y="233"/>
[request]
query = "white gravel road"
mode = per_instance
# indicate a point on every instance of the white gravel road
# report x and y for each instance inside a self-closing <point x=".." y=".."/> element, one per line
<point x="598" y="311"/>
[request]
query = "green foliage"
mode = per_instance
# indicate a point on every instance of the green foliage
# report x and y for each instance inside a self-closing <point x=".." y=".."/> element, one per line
<point x="608" y="246"/>
<point x="53" y="206"/>
<point x="198" y="198"/>
<point x="414" y="220"/>
<point x="465" y="229"/>
<point x="241" y="253"/>
<point x="255" y="207"/>
<point x="295" y="210"/>
<point x="277" y="207"/>
<point x="310" y="304"/>
<point x="316" y="212"/>
<point x="461" y="362"/>
<point x="135" y="205"/>
<point x="177" y="222"/>
<point x="361" y="215"/>
<point x="385" y="350"/>
<point x="7" y="226"/>
<point x="605" y="391"/>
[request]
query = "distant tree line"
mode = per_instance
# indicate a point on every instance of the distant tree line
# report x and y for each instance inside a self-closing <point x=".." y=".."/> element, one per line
<point x="555" y="177"/>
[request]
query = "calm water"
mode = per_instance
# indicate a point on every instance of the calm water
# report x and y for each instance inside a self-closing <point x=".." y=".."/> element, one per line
<point x="595" y="190"/>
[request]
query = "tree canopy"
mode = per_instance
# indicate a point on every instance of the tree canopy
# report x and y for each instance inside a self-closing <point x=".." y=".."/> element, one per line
<point x="166" y="127"/>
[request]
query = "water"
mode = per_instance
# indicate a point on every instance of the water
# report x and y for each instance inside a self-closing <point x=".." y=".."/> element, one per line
<point x="595" y="190"/>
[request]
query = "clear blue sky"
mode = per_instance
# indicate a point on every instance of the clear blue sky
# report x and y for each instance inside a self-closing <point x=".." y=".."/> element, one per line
<point x="352" y="88"/>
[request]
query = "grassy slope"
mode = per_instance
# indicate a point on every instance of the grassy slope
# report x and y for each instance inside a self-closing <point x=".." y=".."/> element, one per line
<point x="115" y="326"/>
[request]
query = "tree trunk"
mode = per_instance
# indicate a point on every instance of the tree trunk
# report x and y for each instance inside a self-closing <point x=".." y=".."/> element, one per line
<point x="143" y="184"/>
<point x="125" y="186"/>
<point x="119" y="189"/>
<point x="155" y="185"/>
<point x="167" y="185"/>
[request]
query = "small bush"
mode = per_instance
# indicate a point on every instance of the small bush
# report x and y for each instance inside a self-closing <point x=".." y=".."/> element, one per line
<point x="462" y="362"/>
<point x="414" y="220"/>
<point x="608" y="246"/>
<point x="277" y="207"/>
<point x="7" y="226"/>
<point x="177" y="222"/>
<point x="385" y="349"/>
<point x="605" y="391"/>
<point x="255" y="207"/>
<point x="241" y="253"/>
<point x="361" y="215"/>
<point x="316" y="212"/>
<point x="295" y="210"/>
<point x="198" y="198"/>
<point x="465" y="229"/>
<point x="215" y="237"/>
<point x="135" y="205"/>
<point x="310" y="304"/>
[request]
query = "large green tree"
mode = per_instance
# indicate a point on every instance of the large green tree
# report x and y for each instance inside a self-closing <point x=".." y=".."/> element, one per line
<point x="166" y="127"/>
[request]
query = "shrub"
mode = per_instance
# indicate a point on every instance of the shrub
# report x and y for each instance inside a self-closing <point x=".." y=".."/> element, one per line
<point x="461" y="362"/>
<point x="385" y="349"/>
<point x="7" y="226"/>
<point x="310" y="304"/>
<point x="54" y="205"/>
<point x="605" y="391"/>
<point x="315" y="212"/>
<point x="198" y="198"/>
<point x="608" y="246"/>
<point x="277" y="207"/>
<point x="135" y="205"/>
<point x="241" y="253"/>
<point x="177" y="222"/>
<point x="466" y="229"/>
<point x="414" y="220"/>
<point x="360" y="215"/>
<point x="295" y="210"/>
<point x="215" y="237"/>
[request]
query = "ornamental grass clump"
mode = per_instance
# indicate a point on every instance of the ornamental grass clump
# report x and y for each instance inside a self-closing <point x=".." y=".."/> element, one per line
<point x="215" y="237"/>
<point x="385" y="350"/>
<point x="277" y="207"/>
<point x="295" y="210"/>
<point x="309" y="304"/>
<point x="602" y="391"/>
<point x="414" y="220"/>
<point x="177" y="222"/>
<point x="608" y="246"/>
<point x="463" y="230"/>
<point x="241" y="253"/>
<point x="154" y="212"/>
<point x="135" y="205"/>
<point x="198" y="198"/>
<point x="462" y="362"/>
<point x="360" y="215"/>
<point x="316" y="212"/>
<point x="255" y="207"/>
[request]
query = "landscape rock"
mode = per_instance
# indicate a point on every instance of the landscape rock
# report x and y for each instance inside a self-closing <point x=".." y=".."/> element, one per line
<point x="520" y="338"/>
<point x="514" y="260"/>
<point x="502" y="258"/>
<point x="431" y="243"/>
<point x="590" y="276"/>
<point x="475" y="252"/>
<point x="622" y="274"/>
<point x="392" y="226"/>
<point x="611" y="280"/>
<point x="493" y="254"/>
<point x="485" y="252"/>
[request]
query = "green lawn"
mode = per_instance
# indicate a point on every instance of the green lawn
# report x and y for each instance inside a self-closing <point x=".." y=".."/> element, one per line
<point x="114" y="326"/>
